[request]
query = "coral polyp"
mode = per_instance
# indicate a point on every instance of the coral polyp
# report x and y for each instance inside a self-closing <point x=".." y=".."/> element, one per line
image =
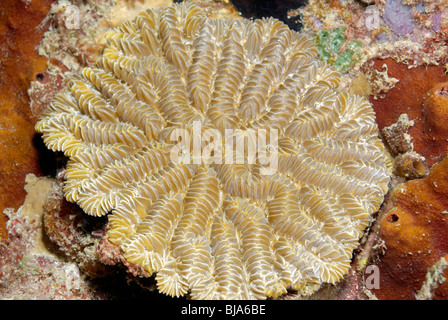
<point x="244" y="228"/>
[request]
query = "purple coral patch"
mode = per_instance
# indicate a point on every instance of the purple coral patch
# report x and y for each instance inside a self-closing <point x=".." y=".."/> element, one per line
<point x="399" y="17"/>
<point x="437" y="19"/>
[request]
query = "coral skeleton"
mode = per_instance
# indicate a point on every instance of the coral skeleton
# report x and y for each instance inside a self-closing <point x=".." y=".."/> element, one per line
<point x="209" y="229"/>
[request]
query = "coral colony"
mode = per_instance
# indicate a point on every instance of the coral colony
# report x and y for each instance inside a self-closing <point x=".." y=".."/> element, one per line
<point x="290" y="204"/>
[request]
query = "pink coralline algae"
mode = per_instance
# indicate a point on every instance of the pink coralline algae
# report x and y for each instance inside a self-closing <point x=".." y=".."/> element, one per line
<point x="399" y="17"/>
<point x="75" y="236"/>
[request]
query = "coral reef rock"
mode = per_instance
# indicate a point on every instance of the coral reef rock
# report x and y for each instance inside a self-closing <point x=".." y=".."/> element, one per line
<point x="407" y="163"/>
<point x="287" y="216"/>
<point x="75" y="237"/>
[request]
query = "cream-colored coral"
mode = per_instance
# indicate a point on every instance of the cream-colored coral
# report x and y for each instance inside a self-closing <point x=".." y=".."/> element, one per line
<point x="220" y="230"/>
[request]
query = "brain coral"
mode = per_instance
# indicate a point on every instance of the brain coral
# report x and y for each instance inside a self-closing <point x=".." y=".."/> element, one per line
<point x="220" y="230"/>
